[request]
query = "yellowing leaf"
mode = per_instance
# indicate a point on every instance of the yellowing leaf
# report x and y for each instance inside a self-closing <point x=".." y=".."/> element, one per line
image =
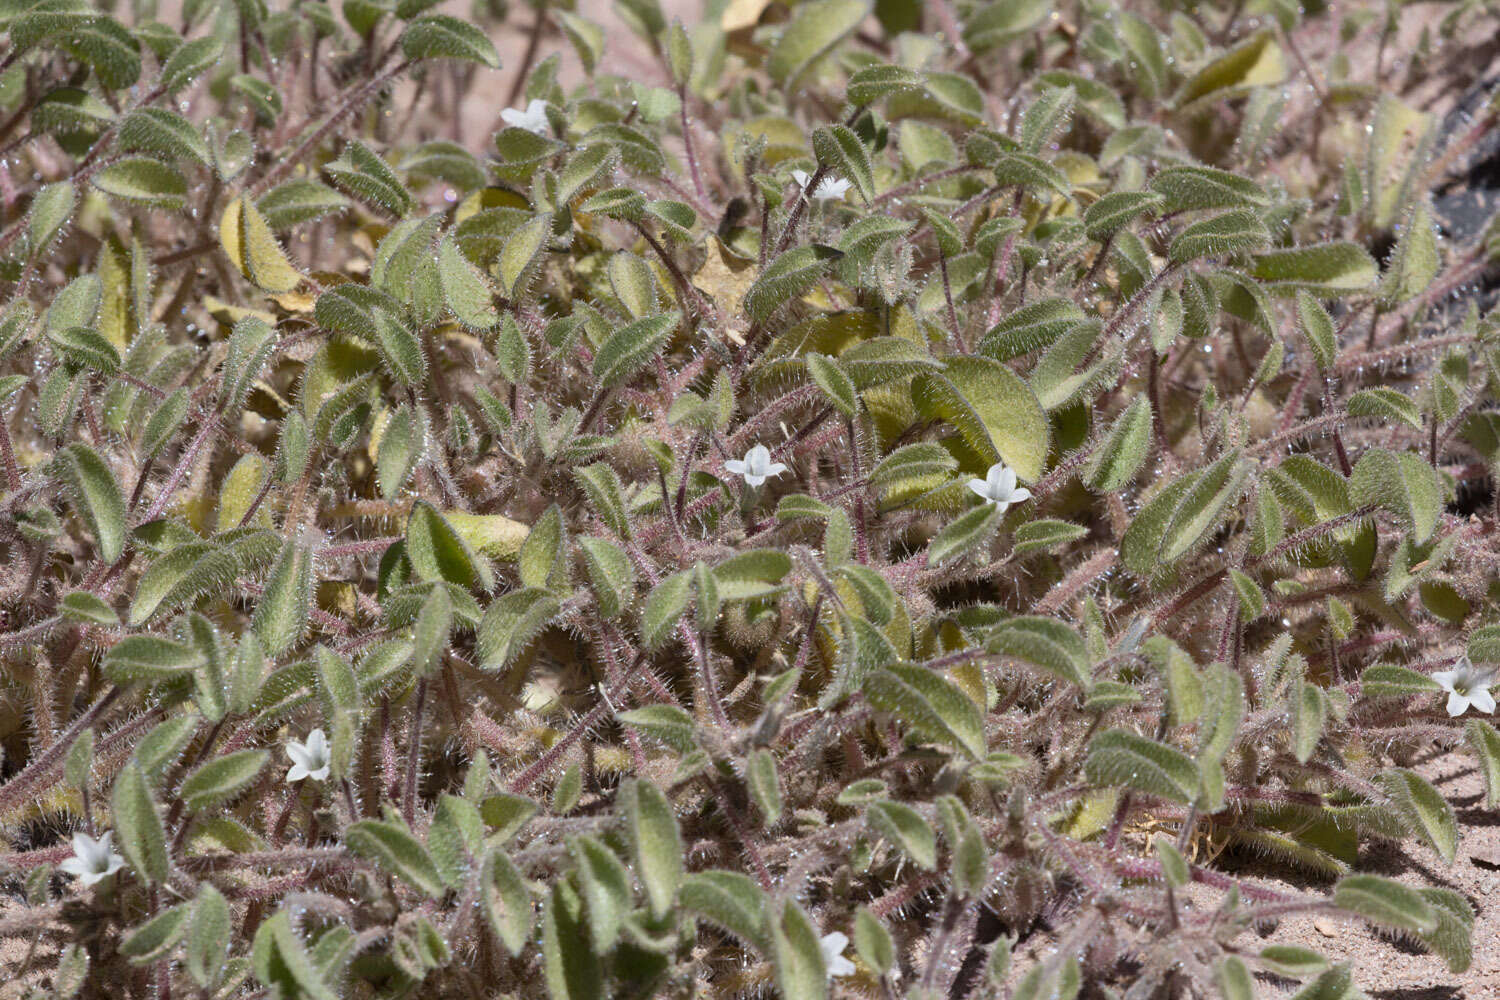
<point x="248" y="242"/>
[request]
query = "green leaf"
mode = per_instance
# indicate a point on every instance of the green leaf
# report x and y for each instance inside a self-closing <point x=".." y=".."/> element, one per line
<point x="667" y="723"/>
<point x="189" y="61"/>
<point x="1309" y="713"/>
<point x="928" y="703"/>
<point x="633" y="347"/>
<point x="1204" y="506"/>
<point x="1122" y="758"/>
<point x="1004" y="21"/>
<point x="1425" y="812"/>
<point x="1402" y="483"/>
<point x="1317" y="327"/>
<point x="996" y="413"/>
<point x="1415" y="261"/>
<point x="1326" y="268"/>
<point x="208" y="936"/>
<point x="1173" y="865"/>
<point x="812" y="32"/>
<point x="156" y="938"/>
<point x="611" y="574"/>
<point x="1035" y="536"/>
<point x="1043" y="642"/>
<point x="402" y="444"/>
<point x="438" y="36"/>
<point x="571" y="969"/>
<point x="1385" y="903"/>
<point x="506" y="902"/>
<point x="1116" y="210"/>
<point x="1484" y="741"/>
<point x="801" y="972"/>
<point x="1453" y="939"/>
<point x="50" y="210"/>
<point x="606" y="496"/>
<point x="438" y="552"/>
<point x="138" y="823"/>
<point x="283" y="964"/>
<point x="510" y="624"/>
<point x="905" y="828"/>
<point x="664" y="606"/>
<point x="1292" y="961"/>
<point x="1030" y="328"/>
<point x="1385" y="403"/>
<point x="1198" y="188"/>
<point x="394" y="848"/>
<point x="165" y="133"/>
<point x="967" y="532"/>
<point x="1225" y="235"/>
<point x="879" y="80"/>
<point x="830" y="377"/>
<point x="516" y="264"/>
<point x="841" y="151"/>
<point x="96" y="496"/>
<point x="792" y="273"/>
<point x="872" y="942"/>
<point x="365" y="175"/>
<point x="222" y="778"/>
<point x="282" y="615"/>
<point x="634" y="285"/>
<point x="1256" y="62"/>
<point x="541" y="557"/>
<point x="605" y="887"/>
<point x="1388" y="680"/>
<point x="655" y="843"/>
<point x="464" y="288"/>
<point x="84" y="607"/>
<point x="764" y="785"/>
<point x="730" y="901"/>
<point x="1123" y="451"/>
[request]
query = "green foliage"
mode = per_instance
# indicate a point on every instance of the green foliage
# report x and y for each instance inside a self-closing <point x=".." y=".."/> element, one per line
<point x="346" y="422"/>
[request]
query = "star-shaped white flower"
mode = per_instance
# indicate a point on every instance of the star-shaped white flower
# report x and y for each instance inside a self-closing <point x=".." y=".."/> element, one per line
<point x="830" y="188"/>
<point x="533" y="119"/>
<point x="310" y="759"/>
<point x="1466" y="685"/>
<point x="757" y="466"/>
<point x="92" y="860"/>
<point x="999" y="487"/>
<point x="833" y="946"/>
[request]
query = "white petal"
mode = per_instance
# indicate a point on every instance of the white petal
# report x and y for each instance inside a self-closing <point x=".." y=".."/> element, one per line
<point x="320" y="774"/>
<point x="89" y="878"/>
<point x="1004" y="505"/>
<point x="317" y="743"/>
<point x="1483" y="700"/>
<point x="1008" y="481"/>
<point x="980" y="487"/>
<point x="775" y="469"/>
<point x="1446" y="678"/>
<point x="297" y="772"/>
<point x="841" y="966"/>
<point x="735" y="466"/>
<point x="1457" y="704"/>
<point x="1020" y="496"/>
<point x="73" y="866"/>
<point x="800" y="176"/>
<point x="995" y="477"/>
<point x="754" y="480"/>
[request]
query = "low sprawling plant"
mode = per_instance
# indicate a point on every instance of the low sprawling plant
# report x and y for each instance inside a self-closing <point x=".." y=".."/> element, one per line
<point x="902" y="474"/>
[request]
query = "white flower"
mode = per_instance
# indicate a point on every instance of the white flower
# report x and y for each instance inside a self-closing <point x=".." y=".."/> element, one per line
<point x="533" y="119"/>
<point x="999" y="487"/>
<point x="829" y="188"/>
<point x="833" y="946"/>
<point x="310" y="759"/>
<point x="92" y="860"/>
<point x="757" y="466"/>
<point x="1466" y="686"/>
